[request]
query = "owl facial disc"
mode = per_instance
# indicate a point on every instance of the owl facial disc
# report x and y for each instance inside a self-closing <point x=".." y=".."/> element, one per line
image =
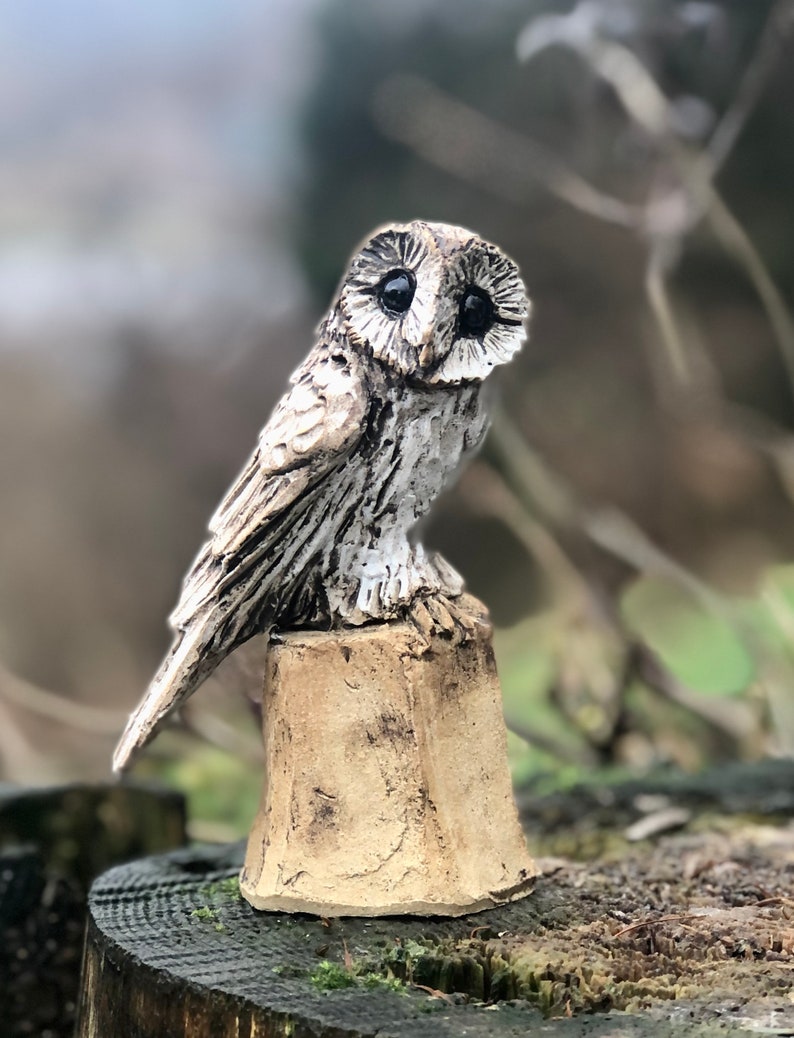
<point x="434" y="302"/>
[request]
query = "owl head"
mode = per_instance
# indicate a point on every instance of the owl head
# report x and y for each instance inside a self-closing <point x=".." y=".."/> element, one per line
<point x="434" y="302"/>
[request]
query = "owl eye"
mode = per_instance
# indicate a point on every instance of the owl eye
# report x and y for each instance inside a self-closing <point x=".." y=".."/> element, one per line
<point x="396" y="292"/>
<point x="476" y="313"/>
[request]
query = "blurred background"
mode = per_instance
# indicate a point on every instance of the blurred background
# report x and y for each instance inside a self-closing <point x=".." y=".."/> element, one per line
<point x="182" y="184"/>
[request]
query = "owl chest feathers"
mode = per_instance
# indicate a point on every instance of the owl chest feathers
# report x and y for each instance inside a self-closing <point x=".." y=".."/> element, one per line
<point x="411" y="448"/>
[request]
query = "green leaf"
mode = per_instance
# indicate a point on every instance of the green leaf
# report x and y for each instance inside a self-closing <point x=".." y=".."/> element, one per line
<point x="699" y="646"/>
<point x="773" y="615"/>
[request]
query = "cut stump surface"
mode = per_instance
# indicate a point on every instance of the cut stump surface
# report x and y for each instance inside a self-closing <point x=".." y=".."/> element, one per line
<point x="691" y="935"/>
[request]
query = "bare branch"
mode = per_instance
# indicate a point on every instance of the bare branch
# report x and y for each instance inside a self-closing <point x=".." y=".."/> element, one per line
<point x="542" y="491"/>
<point x="494" y="497"/>
<point x="214" y="730"/>
<point x="577" y="752"/>
<point x="634" y="85"/>
<point x="608" y="528"/>
<point x="55" y="707"/>
<point x="647" y="105"/>
<point x="737" y="243"/>
<point x="643" y="100"/>
<point x="734" y="718"/>
<point x="657" y="293"/>
<point x="475" y="148"/>
<point x="774" y="37"/>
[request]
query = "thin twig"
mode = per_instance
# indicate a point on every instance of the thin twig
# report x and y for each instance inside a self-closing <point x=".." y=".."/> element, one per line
<point x="214" y="730"/>
<point x="734" y="719"/>
<point x="542" y="491"/>
<point x="738" y="244"/>
<point x="608" y="528"/>
<point x="434" y="992"/>
<point x="677" y="918"/>
<point x="475" y="148"/>
<point x="634" y="85"/>
<point x="657" y="293"/>
<point x="54" y="707"/>
<point x="494" y="497"/>
<point x="581" y="753"/>
<point x="769" y="50"/>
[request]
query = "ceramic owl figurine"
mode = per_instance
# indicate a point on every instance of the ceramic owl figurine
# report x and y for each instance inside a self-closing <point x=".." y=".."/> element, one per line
<point x="315" y="530"/>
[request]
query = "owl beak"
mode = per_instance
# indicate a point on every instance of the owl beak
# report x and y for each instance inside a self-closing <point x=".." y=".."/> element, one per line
<point x="426" y="352"/>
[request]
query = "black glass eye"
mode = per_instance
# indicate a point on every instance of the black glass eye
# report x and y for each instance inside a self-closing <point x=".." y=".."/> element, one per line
<point x="396" y="292"/>
<point x="476" y="313"/>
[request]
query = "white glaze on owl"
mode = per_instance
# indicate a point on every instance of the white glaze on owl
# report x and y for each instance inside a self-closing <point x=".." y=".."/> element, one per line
<point x="315" y="530"/>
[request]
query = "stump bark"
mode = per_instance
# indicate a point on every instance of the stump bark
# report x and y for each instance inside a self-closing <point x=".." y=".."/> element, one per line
<point x="387" y="789"/>
<point x="53" y="842"/>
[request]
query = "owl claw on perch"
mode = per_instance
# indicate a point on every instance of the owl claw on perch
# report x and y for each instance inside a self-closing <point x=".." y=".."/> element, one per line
<point x="314" y="531"/>
<point x="454" y="620"/>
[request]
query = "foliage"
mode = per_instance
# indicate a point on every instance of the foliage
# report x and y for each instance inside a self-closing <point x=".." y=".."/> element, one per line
<point x="208" y="915"/>
<point x="698" y="645"/>
<point x="333" y="976"/>
<point x="222" y="790"/>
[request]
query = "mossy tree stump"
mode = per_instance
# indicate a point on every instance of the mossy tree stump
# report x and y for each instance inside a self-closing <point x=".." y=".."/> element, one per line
<point x="691" y="933"/>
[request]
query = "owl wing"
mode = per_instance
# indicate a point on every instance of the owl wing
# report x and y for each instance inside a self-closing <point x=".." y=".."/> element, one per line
<point x="313" y="428"/>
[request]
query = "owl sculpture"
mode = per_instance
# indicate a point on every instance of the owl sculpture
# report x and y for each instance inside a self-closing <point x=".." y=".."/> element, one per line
<point x="315" y="531"/>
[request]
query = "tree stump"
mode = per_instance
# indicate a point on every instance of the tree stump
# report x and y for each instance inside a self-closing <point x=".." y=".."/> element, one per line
<point x="692" y="934"/>
<point x="53" y="842"/>
<point x="387" y="789"/>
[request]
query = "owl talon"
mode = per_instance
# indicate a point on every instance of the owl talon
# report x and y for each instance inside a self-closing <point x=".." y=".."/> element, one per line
<point x="443" y="620"/>
<point x="421" y="620"/>
<point x="465" y="623"/>
<point x="440" y="617"/>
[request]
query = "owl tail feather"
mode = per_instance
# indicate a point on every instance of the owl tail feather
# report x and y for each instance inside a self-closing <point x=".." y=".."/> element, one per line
<point x="181" y="672"/>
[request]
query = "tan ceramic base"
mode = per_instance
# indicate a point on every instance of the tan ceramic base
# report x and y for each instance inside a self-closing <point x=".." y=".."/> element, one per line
<point x="387" y="789"/>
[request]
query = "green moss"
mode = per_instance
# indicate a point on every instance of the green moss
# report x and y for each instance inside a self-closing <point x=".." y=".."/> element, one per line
<point x="224" y="889"/>
<point x="205" y="914"/>
<point x="377" y="980"/>
<point x="330" y="976"/>
<point x="431" y="1006"/>
<point x="208" y="915"/>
